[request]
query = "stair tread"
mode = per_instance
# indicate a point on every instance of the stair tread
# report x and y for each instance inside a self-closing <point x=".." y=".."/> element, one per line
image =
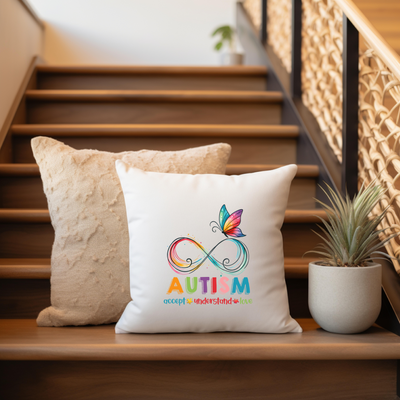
<point x="23" y="340"/>
<point x="100" y="130"/>
<point x="39" y="268"/>
<point x="15" y="215"/>
<point x="303" y="171"/>
<point x="230" y="96"/>
<point x="154" y="70"/>
<point x="24" y="215"/>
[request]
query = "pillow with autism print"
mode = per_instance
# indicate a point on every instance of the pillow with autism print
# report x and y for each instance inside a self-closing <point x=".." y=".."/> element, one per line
<point x="206" y="252"/>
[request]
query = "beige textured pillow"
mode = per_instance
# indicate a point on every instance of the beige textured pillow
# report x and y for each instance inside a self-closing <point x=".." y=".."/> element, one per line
<point x="89" y="262"/>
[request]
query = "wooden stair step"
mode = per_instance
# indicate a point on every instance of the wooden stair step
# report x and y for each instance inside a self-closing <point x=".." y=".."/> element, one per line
<point x="71" y="362"/>
<point x="25" y="268"/>
<point x="23" y="340"/>
<point x="304" y="171"/>
<point x="42" y="216"/>
<point x="169" y="130"/>
<point x="178" y="96"/>
<point x="250" y="144"/>
<point x="243" y="70"/>
<point x="153" y="107"/>
<point x="21" y="186"/>
<point x="26" y="233"/>
<point x="25" y="286"/>
<point x="152" y="77"/>
<point x="24" y="216"/>
<point x="258" y="145"/>
<point x="39" y="268"/>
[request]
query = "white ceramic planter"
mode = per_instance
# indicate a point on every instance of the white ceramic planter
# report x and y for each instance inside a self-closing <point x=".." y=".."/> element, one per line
<point x="344" y="300"/>
<point x="231" y="59"/>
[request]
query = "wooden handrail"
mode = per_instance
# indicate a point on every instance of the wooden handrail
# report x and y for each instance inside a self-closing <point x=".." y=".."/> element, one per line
<point x="371" y="36"/>
<point x="32" y="13"/>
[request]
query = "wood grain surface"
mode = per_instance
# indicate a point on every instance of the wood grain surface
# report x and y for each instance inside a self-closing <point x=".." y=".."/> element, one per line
<point x="39" y="268"/>
<point x="303" y="171"/>
<point x="252" y="150"/>
<point x="159" y="130"/>
<point x="25" y="286"/>
<point x="36" y="216"/>
<point x="17" y="112"/>
<point x="23" y="298"/>
<point x="149" y="81"/>
<point x="174" y="96"/>
<point x="89" y="112"/>
<point x="23" y="340"/>
<point x="384" y="15"/>
<point x="221" y="71"/>
<point x="35" y="240"/>
<point x="19" y="192"/>
<point x="199" y="380"/>
<point x="372" y="36"/>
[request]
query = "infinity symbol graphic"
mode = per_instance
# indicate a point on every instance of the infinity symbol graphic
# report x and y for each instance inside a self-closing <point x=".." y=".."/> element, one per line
<point x="188" y="265"/>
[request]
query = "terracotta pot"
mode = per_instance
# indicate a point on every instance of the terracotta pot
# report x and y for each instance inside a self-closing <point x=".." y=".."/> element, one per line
<point x="344" y="299"/>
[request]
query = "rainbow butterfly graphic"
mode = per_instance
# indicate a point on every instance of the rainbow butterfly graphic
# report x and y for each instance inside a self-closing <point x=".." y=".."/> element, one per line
<point x="228" y="225"/>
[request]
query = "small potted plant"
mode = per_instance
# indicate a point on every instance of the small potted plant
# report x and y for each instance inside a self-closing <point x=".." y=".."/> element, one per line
<point x="344" y="293"/>
<point x="227" y="37"/>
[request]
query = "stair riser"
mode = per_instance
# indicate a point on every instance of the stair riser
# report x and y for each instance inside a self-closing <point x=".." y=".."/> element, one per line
<point x="22" y="240"/>
<point x="27" y="192"/>
<point x="244" y="151"/>
<point x="59" y="112"/>
<point x="199" y="380"/>
<point x="147" y="82"/>
<point x="25" y="298"/>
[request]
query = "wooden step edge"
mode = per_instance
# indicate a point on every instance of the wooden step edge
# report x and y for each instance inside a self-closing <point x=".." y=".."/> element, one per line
<point x="32" y="216"/>
<point x="23" y="340"/>
<point x="304" y="216"/>
<point x="19" y="170"/>
<point x="178" y="96"/>
<point x="295" y="268"/>
<point x="303" y="171"/>
<point x="25" y="271"/>
<point x="245" y="70"/>
<point x="175" y="130"/>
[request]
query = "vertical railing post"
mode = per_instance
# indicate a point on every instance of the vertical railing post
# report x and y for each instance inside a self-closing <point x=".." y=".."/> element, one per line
<point x="263" y="28"/>
<point x="295" y="76"/>
<point x="350" y="108"/>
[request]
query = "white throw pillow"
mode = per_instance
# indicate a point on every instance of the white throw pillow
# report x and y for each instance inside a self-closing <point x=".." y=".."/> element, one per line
<point x="206" y="252"/>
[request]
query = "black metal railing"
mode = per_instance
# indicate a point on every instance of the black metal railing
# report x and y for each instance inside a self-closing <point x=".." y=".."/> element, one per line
<point x="350" y="56"/>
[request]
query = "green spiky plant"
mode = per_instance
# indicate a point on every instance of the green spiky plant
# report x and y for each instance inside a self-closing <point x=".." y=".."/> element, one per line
<point x="227" y="36"/>
<point x="351" y="237"/>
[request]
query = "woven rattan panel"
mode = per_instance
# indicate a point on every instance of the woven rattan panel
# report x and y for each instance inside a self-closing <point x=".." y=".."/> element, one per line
<point x="379" y="136"/>
<point x="253" y="8"/>
<point x="379" y="90"/>
<point x="279" y="30"/>
<point x="322" y="67"/>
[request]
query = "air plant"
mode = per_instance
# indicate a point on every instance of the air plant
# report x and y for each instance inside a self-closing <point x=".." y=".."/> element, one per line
<point x="351" y="237"/>
<point x="227" y="36"/>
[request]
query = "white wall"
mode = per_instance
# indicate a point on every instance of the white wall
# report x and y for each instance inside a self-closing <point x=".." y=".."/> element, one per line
<point x="157" y="32"/>
<point x="21" y="38"/>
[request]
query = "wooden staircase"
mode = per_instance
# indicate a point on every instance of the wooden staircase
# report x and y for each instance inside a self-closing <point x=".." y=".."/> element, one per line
<point x="166" y="108"/>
